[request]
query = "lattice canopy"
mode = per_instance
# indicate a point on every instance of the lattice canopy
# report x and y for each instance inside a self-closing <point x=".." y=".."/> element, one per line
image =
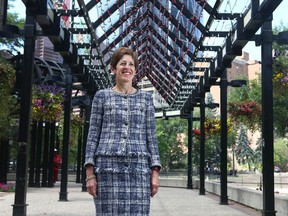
<point x="183" y="46"/>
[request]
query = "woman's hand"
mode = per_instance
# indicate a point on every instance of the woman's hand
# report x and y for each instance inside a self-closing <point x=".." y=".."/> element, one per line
<point x="154" y="182"/>
<point x="91" y="181"/>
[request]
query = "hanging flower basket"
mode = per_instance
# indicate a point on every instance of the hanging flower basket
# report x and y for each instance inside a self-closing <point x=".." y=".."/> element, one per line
<point x="247" y="112"/>
<point x="47" y="103"/>
<point x="213" y="126"/>
<point x="196" y="133"/>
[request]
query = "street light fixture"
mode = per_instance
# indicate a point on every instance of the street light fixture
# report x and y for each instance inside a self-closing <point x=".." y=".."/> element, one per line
<point x="237" y="83"/>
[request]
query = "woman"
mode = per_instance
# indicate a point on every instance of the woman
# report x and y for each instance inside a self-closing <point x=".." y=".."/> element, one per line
<point x="122" y="148"/>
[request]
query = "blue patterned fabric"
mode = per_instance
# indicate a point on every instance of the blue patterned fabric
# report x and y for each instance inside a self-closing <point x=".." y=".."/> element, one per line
<point x="123" y="193"/>
<point x="122" y="125"/>
<point x="122" y="146"/>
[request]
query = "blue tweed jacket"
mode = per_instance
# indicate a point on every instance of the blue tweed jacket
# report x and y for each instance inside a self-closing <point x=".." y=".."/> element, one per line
<point x="122" y="125"/>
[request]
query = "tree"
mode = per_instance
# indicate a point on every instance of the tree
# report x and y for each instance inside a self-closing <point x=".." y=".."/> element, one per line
<point x="280" y="85"/>
<point x="258" y="154"/>
<point x="13" y="44"/>
<point x="76" y="124"/>
<point x="210" y="100"/>
<point x="280" y="99"/>
<point x="172" y="147"/>
<point x="244" y="153"/>
<point x="8" y="103"/>
<point x="281" y="153"/>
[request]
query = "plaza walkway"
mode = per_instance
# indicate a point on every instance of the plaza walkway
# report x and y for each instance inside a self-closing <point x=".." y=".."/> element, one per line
<point x="168" y="202"/>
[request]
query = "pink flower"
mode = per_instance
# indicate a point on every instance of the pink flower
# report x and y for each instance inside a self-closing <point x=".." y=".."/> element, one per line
<point x="285" y="79"/>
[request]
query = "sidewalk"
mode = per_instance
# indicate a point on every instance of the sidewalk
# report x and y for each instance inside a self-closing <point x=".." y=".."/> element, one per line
<point x="168" y="202"/>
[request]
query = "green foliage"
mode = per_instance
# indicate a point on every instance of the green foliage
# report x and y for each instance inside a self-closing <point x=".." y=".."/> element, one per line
<point x="281" y="153"/>
<point x="250" y="91"/>
<point x="76" y="125"/>
<point x="244" y="153"/>
<point x="258" y="154"/>
<point x="13" y="44"/>
<point x="280" y="48"/>
<point x="280" y="97"/>
<point x="172" y="149"/>
<point x="8" y="103"/>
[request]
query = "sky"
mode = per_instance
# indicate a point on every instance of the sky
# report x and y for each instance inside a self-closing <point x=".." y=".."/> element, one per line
<point x="279" y="16"/>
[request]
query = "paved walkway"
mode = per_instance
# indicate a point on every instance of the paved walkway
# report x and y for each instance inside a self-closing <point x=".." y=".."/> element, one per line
<point x="168" y="202"/>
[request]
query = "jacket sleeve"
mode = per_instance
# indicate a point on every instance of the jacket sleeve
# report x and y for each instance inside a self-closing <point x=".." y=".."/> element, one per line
<point x="152" y="143"/>
<point x="94" y="128"/>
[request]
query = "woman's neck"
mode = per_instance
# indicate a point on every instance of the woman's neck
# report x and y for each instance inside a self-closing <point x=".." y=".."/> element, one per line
<point x="125" y="89"/>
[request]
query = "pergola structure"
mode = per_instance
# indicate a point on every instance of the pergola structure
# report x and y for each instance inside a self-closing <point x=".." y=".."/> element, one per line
<point x="184" y="47"/>
<point x="176" y="45"/>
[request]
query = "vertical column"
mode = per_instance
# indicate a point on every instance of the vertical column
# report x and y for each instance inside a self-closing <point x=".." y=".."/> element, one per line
<point x="66" y="136"/>
<point x="85" y="134"/>
<point x="45" y="155"/>
<point x="4" y="158"/>
<point x="51" y="154"/>
<point x="38" y="154"/>
<point x="32" y="154"/>
<point x="3" y="13"/>
<point x="267" y="121"/>
<point x="223" y="145"/>
<point x="190" y="145"/>
<point x="202" y="147"/>
<point x="79" y="154"/>
<point x="20" y="206"/>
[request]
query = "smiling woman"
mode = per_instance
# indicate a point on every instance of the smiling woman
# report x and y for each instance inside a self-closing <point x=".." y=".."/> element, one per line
<point x="122" y="159"/>
<point x="124" y="65"/>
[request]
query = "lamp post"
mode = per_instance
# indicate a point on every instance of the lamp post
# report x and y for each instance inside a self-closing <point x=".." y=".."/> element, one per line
<point x="20" y="206"/>
<point x="66" y="137"/>
<point x="267" y="121"/>
<point x="265" y="40"/>
<point x="202" y="142"/>
<point x="223" y="145"/>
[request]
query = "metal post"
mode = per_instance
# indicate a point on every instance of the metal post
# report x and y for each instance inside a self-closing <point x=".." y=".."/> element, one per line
<point x="223" y="145"/>
<point x="190" y="145"/>
<point x="267" y="121"/>
<point x="85" y="134"/>
<point x="20" y="206"/>
<point x="3" y="13"/>
<point x="45" y="155"/>
<point x="202" y="147"/>
<point x="66" y="136"/>
<point x="38" y="154"/>
<point x="4" y="158"/>
<point x="32" y="154"/>
<point x="51" y="154"/>
<point x="79" y="158"/>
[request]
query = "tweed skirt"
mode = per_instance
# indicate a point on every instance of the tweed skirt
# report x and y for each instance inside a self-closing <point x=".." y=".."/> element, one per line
<point x="123" y="186"/>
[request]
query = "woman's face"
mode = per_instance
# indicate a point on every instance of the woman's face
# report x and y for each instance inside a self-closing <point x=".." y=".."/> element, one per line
<point x="125" y="69"/>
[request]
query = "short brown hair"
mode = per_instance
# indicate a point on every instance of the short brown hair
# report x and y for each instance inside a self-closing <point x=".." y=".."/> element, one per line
<point x="119" y="53"/>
